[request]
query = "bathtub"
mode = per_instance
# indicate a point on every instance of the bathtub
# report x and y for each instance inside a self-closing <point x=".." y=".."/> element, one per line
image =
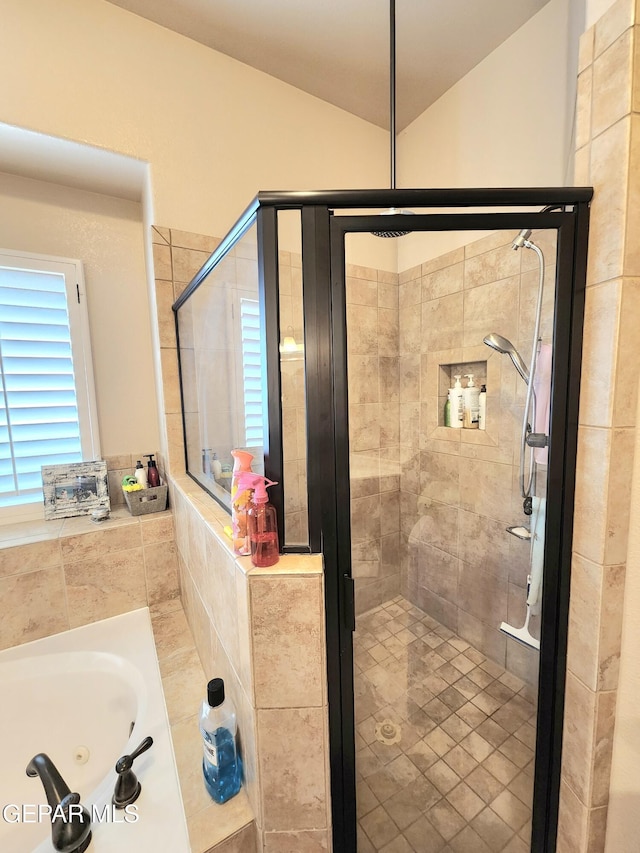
<point x="86" y="697"/>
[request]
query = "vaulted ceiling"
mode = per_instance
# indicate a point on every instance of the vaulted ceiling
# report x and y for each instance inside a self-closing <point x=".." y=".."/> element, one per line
<point x="338" y="50"/>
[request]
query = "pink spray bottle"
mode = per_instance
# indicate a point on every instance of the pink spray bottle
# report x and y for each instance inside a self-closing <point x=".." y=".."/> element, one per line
<point x="262" y="522"/>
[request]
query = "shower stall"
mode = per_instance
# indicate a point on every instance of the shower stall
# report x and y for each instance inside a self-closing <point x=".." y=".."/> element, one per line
<point x="329" y="354"/>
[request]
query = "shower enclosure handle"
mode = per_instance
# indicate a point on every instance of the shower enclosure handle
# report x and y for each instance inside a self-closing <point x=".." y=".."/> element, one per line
<point x="349" y="602"/>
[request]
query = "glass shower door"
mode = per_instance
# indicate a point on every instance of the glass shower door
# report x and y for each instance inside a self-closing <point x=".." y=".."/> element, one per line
<point x="443" y="555"/>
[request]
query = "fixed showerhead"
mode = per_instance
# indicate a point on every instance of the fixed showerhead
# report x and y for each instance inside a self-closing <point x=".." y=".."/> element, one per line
<point x="390" y="212"/>
<point x="504" y="346"/>
<point x="522" y="239"/>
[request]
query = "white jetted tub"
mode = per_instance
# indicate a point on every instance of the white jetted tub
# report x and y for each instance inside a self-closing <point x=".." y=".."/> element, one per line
<point x="86" y="697"/>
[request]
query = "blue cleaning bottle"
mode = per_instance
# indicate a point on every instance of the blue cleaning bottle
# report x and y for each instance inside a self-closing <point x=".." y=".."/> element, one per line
<point x="221" y="763"/>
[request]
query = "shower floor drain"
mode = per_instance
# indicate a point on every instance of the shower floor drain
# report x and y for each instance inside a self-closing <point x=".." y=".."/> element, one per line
<point x="388" y="732"/>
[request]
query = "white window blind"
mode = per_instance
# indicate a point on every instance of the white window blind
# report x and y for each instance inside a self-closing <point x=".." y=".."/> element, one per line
<point x="251" y="372"/>
<point x="45" y="382"/>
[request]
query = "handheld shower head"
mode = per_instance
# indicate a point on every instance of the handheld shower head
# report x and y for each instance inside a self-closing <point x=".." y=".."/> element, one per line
<point x="504" y="346"/>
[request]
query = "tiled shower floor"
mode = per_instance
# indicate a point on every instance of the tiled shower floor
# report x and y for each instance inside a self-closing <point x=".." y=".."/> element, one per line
<point x="461" y="776"/>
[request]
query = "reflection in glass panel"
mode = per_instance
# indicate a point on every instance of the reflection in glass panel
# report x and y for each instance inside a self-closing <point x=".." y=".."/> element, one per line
<point x="221" y="371"/>
<point x="294" y="412"/>
<point x="448" y="565"/>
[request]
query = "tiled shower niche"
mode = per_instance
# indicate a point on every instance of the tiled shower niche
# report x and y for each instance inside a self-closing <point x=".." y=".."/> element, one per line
<point x="448" y="372"/>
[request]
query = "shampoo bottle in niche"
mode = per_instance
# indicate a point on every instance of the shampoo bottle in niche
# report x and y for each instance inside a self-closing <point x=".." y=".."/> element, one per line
<point x="447" y="410"/>
<point x="240" y="499"/>
<point x="263" y="525"/>
<point x="141" y="474"/>
<point x="153" y="475"/>
<point x="471" y="406"/>
<point x="482" y="408"/>
<point x="221" y="764"/>
<point x="455" y="397"/>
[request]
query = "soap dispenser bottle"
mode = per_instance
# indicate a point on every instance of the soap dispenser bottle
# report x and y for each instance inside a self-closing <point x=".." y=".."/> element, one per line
<point x="221" y="764"/>
<point x="482" y="407"/>
<point x="153" y="475"/>
<point x="456" y="398"/>
<point x="141" y="474"/>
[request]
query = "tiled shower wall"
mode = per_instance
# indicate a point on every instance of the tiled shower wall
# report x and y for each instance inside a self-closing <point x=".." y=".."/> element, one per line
<point x="459" y="488"/>
<point x="429" y="504"/>
<point x="374" y="433"/>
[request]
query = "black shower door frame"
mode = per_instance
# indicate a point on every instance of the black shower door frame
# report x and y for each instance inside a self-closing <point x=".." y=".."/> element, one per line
<point x="323" y="253"/>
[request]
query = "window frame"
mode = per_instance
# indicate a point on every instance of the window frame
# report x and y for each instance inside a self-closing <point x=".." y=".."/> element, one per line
<point x="79" y="332"/>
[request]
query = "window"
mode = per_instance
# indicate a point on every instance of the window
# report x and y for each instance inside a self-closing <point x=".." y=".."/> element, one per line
<point x="251" y="372"/>
<point x="47" y="407"/>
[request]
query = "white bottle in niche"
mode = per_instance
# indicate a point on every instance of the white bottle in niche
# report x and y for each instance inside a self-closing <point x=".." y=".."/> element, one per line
<point x="471" y="404"/>
<point x="482" y="407"/>
<point x="456" y="396"/>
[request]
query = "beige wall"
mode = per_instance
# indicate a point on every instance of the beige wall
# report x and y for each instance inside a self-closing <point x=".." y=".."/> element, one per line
<point x="106" y="234"/>
<point x="215" y="131"/>
<point x="508" y="122"/>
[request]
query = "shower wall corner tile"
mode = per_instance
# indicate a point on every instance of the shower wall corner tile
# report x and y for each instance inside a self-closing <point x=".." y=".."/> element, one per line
<point x="587" y="580"/>
<point x="582" y="166"/>
<point x="592" y="477"/>
<point x="585" y="48"/>
<point x="604" y="729"/>
<point x="164" y="314"/>
<point x="612" y="73"/>
<point x="609" y="176"/>
<point x="578" y="744"/>
<point x="618" y="18"/>
<point x="619" y="495"/>
<point x="583" y="107"/>
<point x="600" y="345"/>
<point x="611" y="627"/>
<point x="160" y="235"/>
<point x="162" y="261"/>
<point x="632" y="251"/>
<point x="573" y="821"/>
<point x="170" y="381"/>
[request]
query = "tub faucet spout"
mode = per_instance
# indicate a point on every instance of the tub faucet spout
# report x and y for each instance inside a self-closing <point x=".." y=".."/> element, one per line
<point x="70" y="821"/>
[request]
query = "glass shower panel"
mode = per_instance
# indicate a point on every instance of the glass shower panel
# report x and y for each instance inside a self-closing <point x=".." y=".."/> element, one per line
<point x="294" y="411"/>
<point x="445" y="556"/>
<point x="221" y="370"/>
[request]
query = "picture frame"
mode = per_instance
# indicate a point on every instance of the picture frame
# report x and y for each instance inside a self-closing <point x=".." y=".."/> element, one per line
<point x="74" y="489"/>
